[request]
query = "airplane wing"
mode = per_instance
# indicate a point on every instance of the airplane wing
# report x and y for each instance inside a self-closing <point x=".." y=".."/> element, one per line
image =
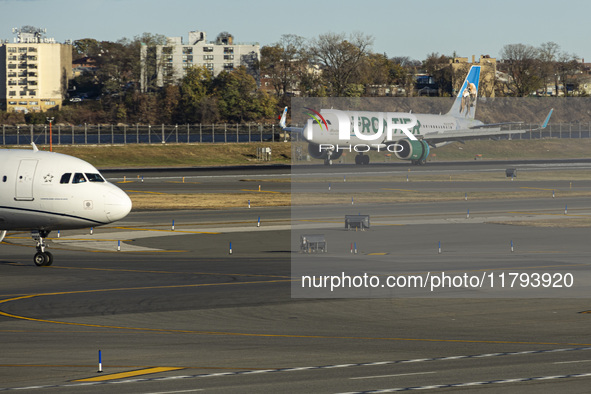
<point x="481" y="131"/>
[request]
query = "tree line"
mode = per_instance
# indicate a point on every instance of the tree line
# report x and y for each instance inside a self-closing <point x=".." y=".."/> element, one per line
<point x="330" y="65"/>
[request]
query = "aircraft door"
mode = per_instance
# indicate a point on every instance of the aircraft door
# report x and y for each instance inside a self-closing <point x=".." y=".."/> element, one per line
<point x="24" y="180"/>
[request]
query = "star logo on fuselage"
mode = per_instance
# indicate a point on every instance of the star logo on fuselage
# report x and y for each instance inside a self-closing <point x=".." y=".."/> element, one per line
<point x="48" y="178"/>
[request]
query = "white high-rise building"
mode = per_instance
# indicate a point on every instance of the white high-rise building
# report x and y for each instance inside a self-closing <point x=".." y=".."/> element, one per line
<point x="34" y="72"/>
<point x="169" y="62"/>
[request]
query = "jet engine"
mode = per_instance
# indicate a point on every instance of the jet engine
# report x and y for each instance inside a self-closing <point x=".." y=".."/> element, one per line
<point x="417" y="151"/>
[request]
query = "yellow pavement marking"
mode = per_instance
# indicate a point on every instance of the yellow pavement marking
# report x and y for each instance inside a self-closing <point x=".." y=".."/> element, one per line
<point x="259" y="191"/>
<point x="546" y="213"/>
<point x="378" y="254"/>
<point x="316" y="221"/>
<point x="244" y="334"/>
<point x="537" y="188"/>
<point x="169" y="272"/>
<point x="126" y="182"/>
<point x="114" y="376"/>
<point x="144" y="191"/>
<point x="168" y="231"/>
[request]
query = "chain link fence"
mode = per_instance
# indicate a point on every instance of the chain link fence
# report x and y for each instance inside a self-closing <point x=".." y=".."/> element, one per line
<point x="200" y="133"/>
<point x="144" y="134"/>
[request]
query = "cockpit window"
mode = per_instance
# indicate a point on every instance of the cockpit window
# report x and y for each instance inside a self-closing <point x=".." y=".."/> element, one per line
<point x="78" y="178"/>
<point x="66" y="177"/>
<point x="94" y="177"/>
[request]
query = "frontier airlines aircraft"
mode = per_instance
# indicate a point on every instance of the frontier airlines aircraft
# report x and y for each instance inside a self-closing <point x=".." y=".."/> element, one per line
<point x="45" y="191"/>
<point x="408" y="136"/>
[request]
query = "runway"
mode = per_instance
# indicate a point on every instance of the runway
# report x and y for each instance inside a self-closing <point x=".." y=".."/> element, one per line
<point x="174" y="311"/>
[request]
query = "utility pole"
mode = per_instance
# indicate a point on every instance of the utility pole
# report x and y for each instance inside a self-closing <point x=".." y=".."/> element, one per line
<point x="50" y="120"/>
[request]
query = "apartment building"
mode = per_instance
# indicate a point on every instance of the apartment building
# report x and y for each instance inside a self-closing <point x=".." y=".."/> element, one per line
<point x="169" y="62"/>
<point x="34" y="72"/>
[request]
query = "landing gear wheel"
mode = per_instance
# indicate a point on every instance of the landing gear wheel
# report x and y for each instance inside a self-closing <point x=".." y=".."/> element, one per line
<point x="362" y="159"/>
<point x="39" y="259"/>
<point x="49" y="259"/>
<point x="43" y="259"/>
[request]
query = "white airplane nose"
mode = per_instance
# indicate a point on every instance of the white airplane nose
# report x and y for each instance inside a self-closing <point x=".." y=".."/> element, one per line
<point x="117" y="204"/>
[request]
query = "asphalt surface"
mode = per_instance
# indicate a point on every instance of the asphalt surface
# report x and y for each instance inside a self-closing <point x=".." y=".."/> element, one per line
<point x="174" y="311"/>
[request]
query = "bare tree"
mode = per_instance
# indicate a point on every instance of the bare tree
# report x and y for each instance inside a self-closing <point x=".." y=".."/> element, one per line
<point x="284" y="63"/>
<point x="549" y="53"/>
<point x="521" y="63"/>
<point x="340" y="57"/>
<point x="566" y="66"/>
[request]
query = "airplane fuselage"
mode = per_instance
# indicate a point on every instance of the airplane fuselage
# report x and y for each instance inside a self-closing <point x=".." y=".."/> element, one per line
<point x="373" y="123"/>
<point x="47" y="191"/>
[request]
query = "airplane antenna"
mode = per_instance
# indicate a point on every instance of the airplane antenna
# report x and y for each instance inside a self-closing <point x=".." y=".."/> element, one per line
<point x="34" y="147"/>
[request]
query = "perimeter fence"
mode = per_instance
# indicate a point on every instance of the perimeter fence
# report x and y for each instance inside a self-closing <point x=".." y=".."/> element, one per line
<point x="200" y="133"/>
<point x="134" y="134"/>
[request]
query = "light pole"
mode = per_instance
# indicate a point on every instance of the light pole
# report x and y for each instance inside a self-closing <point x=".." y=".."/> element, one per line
<point x="50" y="120"/>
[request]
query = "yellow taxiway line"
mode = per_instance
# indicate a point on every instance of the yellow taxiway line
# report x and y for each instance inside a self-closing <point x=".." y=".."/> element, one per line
<point x="122" y="375"/>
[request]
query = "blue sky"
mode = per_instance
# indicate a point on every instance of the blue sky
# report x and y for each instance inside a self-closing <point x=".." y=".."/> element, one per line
<point x="413" y="28"/>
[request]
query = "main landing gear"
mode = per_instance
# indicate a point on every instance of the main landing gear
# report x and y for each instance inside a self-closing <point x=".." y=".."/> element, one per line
<point x="42" y="258"/>
<point x="361" y="159"/>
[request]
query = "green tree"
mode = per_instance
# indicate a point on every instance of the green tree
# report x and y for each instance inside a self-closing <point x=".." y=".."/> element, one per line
<point x="238" y="99"/>
<point x="194" y="90"/>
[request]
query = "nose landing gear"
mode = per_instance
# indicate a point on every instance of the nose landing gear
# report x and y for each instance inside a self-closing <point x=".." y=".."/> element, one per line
<point x="41" y="258"/>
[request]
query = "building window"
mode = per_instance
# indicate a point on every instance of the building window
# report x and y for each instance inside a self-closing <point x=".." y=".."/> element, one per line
<point x="207" y="57"/>
<point x="228" y="57"/>
<point x="187" y="50"/>
<point x="228" y="50"/>
<point x="11" y="49"/>
<point x="22" y="103"/>
<point x="207" y="49"/>
<point x="12" y="93"/>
